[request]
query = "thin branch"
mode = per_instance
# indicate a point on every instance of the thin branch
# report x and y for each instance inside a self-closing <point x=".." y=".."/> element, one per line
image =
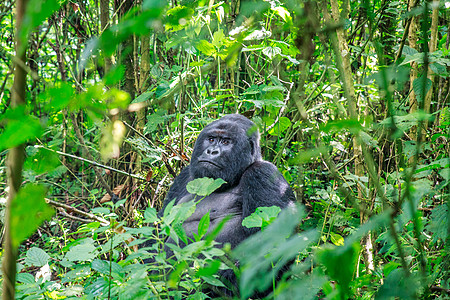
<point x="93" y="163"/>
<point x="69" y="208"/>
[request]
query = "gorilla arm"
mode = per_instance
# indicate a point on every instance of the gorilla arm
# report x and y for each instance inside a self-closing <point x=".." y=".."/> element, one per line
<point x="264" y="186"/>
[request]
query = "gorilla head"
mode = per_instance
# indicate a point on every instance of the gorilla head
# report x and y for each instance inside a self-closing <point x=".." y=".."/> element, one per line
<point x="225" y="149"/>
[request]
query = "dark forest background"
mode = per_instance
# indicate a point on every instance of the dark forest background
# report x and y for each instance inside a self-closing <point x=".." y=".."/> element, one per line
<point x="102" y="101"/>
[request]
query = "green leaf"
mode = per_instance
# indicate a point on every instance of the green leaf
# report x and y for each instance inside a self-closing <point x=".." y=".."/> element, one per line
<point x="389" y="267"/>
<point x="336" y="239"/>
<point x="309" y="155"/>
<point x="338" y="125"/>
<point x="204" y="186"/>
<point x="340" y="263"/>
<point x="28" y="126"/>
<point x="41" y="160"/>
<point x="178" y="16"/>
<point x="181" y="233"/>
<point x="175" y="276"/>
<point x="218" y="38"/>
<point x="398" y="286"/>
<point x="367" y="139"/>
<point x="83" y="252"/>
<point x="205" y="47"/>
<point x="103" y="267"/>
<point x="154" y="120"/>
<point x="420" y="89"/>
<point x="28" y="211"/>
<point x="36" y="257"/>
<point x="262" y="217"/>
<point x="203" y="225"/>
<point x="210" y="269"/>
<point x="60" y="96"/>
<point x="439" y="222"/>
<point x="143" y="97"/>
<point x="117" y="98"/>
<point x="280" y="127"/>
<point x="263" y="254"/>
<point x="213" y="281"/>
<point x="25" y="278"/>
<point x="445" y="173"/>
<point x="98" y="288"/>
<point x="150" y="215"/>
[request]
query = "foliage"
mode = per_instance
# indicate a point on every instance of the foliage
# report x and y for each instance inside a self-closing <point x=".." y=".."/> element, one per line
<point x="352" y="103"/>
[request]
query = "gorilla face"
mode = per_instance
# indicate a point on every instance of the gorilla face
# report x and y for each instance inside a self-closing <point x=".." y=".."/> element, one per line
<point x="225" y="148"/>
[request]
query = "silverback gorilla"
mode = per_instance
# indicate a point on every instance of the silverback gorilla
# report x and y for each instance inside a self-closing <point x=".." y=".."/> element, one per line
<point x="229" y="149"/>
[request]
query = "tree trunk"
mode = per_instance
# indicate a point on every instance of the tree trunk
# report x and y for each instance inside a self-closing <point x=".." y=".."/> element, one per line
<point x="15" y="160"/>
<point x="342" y="54"/>
<point x="412" y="40"/>
<point x="104" y="24"/>
<point x="432" y="48"/>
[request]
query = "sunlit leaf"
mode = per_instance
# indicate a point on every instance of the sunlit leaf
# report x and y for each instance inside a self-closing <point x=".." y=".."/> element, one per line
<point x="204" y="186"/>
<point x="281" y="126"/>
<point x="205" y="47"/>
<point x="336" y="239"/>
<point x="262" y="217"/>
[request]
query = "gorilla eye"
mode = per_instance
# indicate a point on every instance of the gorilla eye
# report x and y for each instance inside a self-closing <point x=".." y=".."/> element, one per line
<point x="225" y="142"/>
<point x="211" y="140"/>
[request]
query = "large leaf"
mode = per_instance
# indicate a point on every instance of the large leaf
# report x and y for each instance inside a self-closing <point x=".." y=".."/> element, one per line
<point x="399" y="286"/>
<point x="264" y="254"/>
<point x="262" y="217"/>
<point x="150" y="215"/>
<point x="281" y="126"/>
<point x="19" y="129"/>
<point x="271" y="52"/>
<point x="41" y="160"/>
<point x="421" y="87"/>
<point x="205" y="47"/>
<point x="439" y="222"/>
<point x="36" y="257"/>
<point x="340" y="263"/>
<point x="28" y="211"/>
<point x="204" y="186"/>
<point x="82" y="252"/>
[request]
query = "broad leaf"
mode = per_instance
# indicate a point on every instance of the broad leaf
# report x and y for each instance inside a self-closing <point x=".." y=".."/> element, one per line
<point x="83" y="252"/>
<point x="28" y="211"/>
<point x="262" y="217"/>
<point x="204" y="186"/>
<point x="36" y="257"/>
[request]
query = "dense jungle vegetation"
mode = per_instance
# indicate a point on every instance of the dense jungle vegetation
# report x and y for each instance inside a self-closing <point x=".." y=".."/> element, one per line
<point x="102" y="101"/>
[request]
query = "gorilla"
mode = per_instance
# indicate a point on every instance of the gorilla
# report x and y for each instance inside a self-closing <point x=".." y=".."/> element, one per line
<point x="229" y="149"/>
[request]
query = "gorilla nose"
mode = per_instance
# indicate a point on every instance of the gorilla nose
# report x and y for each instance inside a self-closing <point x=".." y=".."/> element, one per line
<point x="213" y="151"/>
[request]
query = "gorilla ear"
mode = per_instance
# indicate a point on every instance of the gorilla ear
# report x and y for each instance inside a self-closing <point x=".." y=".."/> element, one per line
<point x="253" y="138"/>
<point x="252" y="146"/>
